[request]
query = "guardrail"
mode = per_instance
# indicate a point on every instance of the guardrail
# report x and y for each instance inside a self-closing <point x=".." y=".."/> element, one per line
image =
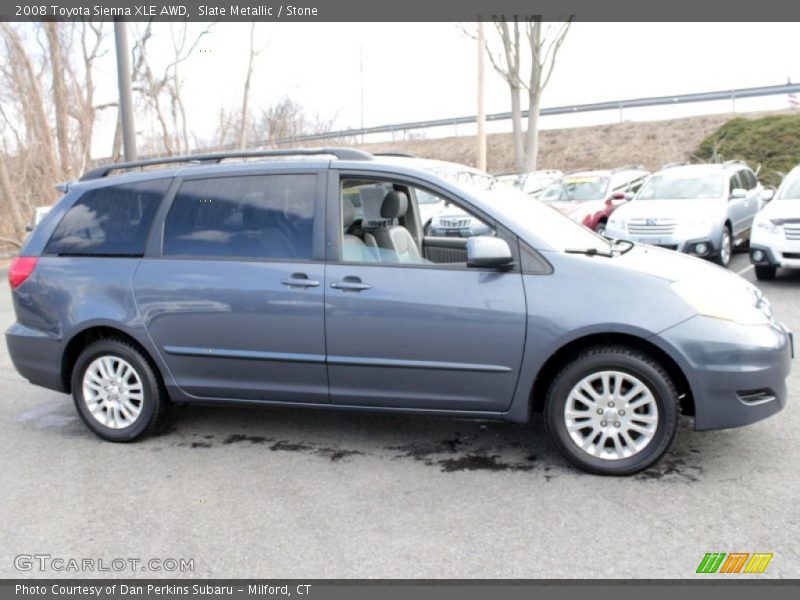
<point x="732" y="95"/>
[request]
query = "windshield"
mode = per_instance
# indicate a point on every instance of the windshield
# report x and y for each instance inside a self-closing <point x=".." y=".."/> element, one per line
<point x="542" y="221"/>
<point x="661" y="187"/>
<point x="424" y="197"/>
<point x="790" y="191"/>
<point x="467" y="176"/>
<point x="576" y="188"/>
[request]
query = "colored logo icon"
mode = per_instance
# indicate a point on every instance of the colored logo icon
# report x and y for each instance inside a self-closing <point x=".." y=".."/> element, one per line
<point x="734" y="562"/>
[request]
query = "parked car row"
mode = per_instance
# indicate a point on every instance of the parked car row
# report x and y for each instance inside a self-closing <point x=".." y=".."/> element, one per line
<point x="705" y="210"/>
<point x="589" y="197"/>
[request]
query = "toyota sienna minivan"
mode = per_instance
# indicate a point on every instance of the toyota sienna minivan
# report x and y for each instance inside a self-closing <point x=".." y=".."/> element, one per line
<point x="209" y="279"/>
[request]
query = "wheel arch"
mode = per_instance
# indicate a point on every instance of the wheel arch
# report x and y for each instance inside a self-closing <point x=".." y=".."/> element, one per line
<point x="565" y="353"/>
<point x="93" y="333"/>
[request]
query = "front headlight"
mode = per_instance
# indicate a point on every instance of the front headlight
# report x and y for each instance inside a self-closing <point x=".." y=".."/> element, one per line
<point x="767" y="226"/>
<point x="738" y="302"/>
<point x="617" y="222"/>
<point x="697" y="227"/>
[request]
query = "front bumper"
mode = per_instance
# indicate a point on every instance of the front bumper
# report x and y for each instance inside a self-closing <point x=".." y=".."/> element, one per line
<point x="782" y="253"/>
<point x="737" y="373"/>
<point x="703" y="246"/>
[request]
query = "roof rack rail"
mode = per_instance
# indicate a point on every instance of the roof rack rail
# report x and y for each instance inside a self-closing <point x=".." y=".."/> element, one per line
<point x="629" y="168"/>
<point x="217" y="157"/>
<point x="673" y="164"/>
<point x="395" y="154"/>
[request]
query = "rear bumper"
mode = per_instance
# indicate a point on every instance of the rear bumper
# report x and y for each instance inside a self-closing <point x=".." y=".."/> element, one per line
<point x="737" y="373"/>
<point x="36" y="356"/>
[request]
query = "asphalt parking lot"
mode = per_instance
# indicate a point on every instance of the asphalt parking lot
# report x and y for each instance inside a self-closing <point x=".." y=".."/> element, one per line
<point x="287" y="493"/>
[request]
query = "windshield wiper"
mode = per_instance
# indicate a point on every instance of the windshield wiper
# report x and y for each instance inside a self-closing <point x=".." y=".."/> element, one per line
<point x="588" y="252"/>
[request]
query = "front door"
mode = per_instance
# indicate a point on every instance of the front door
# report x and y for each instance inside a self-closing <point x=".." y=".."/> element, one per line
<point x="404" y="331"/>
<point x="234" y="303"/>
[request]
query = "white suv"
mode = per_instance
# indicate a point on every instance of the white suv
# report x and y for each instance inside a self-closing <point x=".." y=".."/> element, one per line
<point x="775" y="241"/>
<point x="703" y="210"/>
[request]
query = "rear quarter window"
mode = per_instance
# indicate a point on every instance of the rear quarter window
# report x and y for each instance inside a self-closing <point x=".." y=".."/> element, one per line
<point x="110" y="221"/>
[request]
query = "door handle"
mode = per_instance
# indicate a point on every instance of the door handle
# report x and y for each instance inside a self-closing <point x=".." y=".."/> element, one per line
<point x="350" y="284"/>
<point x="300" y="280"/>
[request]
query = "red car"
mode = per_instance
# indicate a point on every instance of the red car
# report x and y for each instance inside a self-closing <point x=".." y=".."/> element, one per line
<point x="589" y="197"/>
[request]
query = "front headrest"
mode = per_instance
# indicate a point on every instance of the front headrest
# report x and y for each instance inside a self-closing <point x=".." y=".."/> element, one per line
<point x="349" y="213"/>
<point x="395" y="205"/>
<point x="371" y="202"/>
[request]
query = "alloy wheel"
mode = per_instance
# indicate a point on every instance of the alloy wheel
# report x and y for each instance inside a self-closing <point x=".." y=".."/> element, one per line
<point x="113" y="392"/>
<point x="611" y="415"/>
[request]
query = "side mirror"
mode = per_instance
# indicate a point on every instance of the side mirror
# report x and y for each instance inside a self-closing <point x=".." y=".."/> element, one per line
<point x="738" y="193"/>
<point x="767" y="194"/>
<point x="488" y="252"/>
<point x="629" y="196"/>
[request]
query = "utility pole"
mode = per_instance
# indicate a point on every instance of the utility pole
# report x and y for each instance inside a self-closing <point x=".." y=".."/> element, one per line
<point x="361" y="77"/>
<point x="481" y="119"/>
<point x="124" y="82"/>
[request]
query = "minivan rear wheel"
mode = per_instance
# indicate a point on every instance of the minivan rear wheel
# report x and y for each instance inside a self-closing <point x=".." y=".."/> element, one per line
<point x="612" y="411"/>
<point x="116" y="391"/>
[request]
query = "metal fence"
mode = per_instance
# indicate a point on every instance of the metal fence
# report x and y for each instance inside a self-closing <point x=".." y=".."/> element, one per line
<point x="731" y="95"/>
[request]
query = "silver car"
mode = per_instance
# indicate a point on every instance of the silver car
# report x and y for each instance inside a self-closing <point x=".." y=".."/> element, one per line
<point x="703" y="210"/>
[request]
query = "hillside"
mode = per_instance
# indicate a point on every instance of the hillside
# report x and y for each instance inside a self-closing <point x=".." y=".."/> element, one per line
<point x="650" y="143"/>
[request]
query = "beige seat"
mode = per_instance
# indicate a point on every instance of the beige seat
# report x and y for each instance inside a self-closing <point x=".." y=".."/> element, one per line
<point x="394" y="241"/>
<point x="353" y="248"/>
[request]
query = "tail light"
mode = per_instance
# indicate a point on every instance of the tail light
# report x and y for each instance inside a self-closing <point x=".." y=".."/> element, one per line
<point x="20" y="269"/>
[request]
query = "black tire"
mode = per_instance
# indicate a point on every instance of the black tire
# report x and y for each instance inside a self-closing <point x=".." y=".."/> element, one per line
<point x="627" y="361"/>
<point x="154" y="399"/>
<point x="765" y="273"/>
<point x="723" y="257"/>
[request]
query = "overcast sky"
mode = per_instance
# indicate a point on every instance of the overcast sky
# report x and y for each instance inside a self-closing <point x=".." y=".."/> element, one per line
<point x="414" y="71"/>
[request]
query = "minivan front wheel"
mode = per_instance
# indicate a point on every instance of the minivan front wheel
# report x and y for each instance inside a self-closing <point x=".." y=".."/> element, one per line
<point x="612" y="411"/>
<point x="116" y="391"/>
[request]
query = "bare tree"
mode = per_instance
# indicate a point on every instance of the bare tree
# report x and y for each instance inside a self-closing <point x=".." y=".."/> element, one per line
<point x="161" y="89"/>
<point x="543" y="42"/>
<point x="481" y="118"/>
<point x="47" y="113"/>
<point x="60" y="99"/>
<point x="508" y="64"/>
<point x="245" y="118"/>
<point x="84" y="110"/>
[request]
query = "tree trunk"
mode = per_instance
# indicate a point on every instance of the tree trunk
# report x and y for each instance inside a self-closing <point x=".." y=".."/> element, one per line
<point x="481" y="134"/>
<point x="116" y="145"/>
<point x="516" y="121"/>
<point x="244" y="119"/>
<point x="532" y="142"/>
<point x="60" y="100"/>
<point x="17" y="220"/>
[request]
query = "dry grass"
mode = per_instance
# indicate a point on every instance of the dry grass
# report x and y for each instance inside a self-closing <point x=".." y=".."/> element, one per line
<point x="651" y="144"/>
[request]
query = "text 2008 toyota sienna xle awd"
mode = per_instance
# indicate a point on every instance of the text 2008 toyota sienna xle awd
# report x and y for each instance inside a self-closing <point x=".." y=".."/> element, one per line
<point x="306" y="280"/>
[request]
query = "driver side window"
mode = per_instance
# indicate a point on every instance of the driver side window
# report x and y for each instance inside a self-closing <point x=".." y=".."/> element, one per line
<point x="393" y="223"/>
